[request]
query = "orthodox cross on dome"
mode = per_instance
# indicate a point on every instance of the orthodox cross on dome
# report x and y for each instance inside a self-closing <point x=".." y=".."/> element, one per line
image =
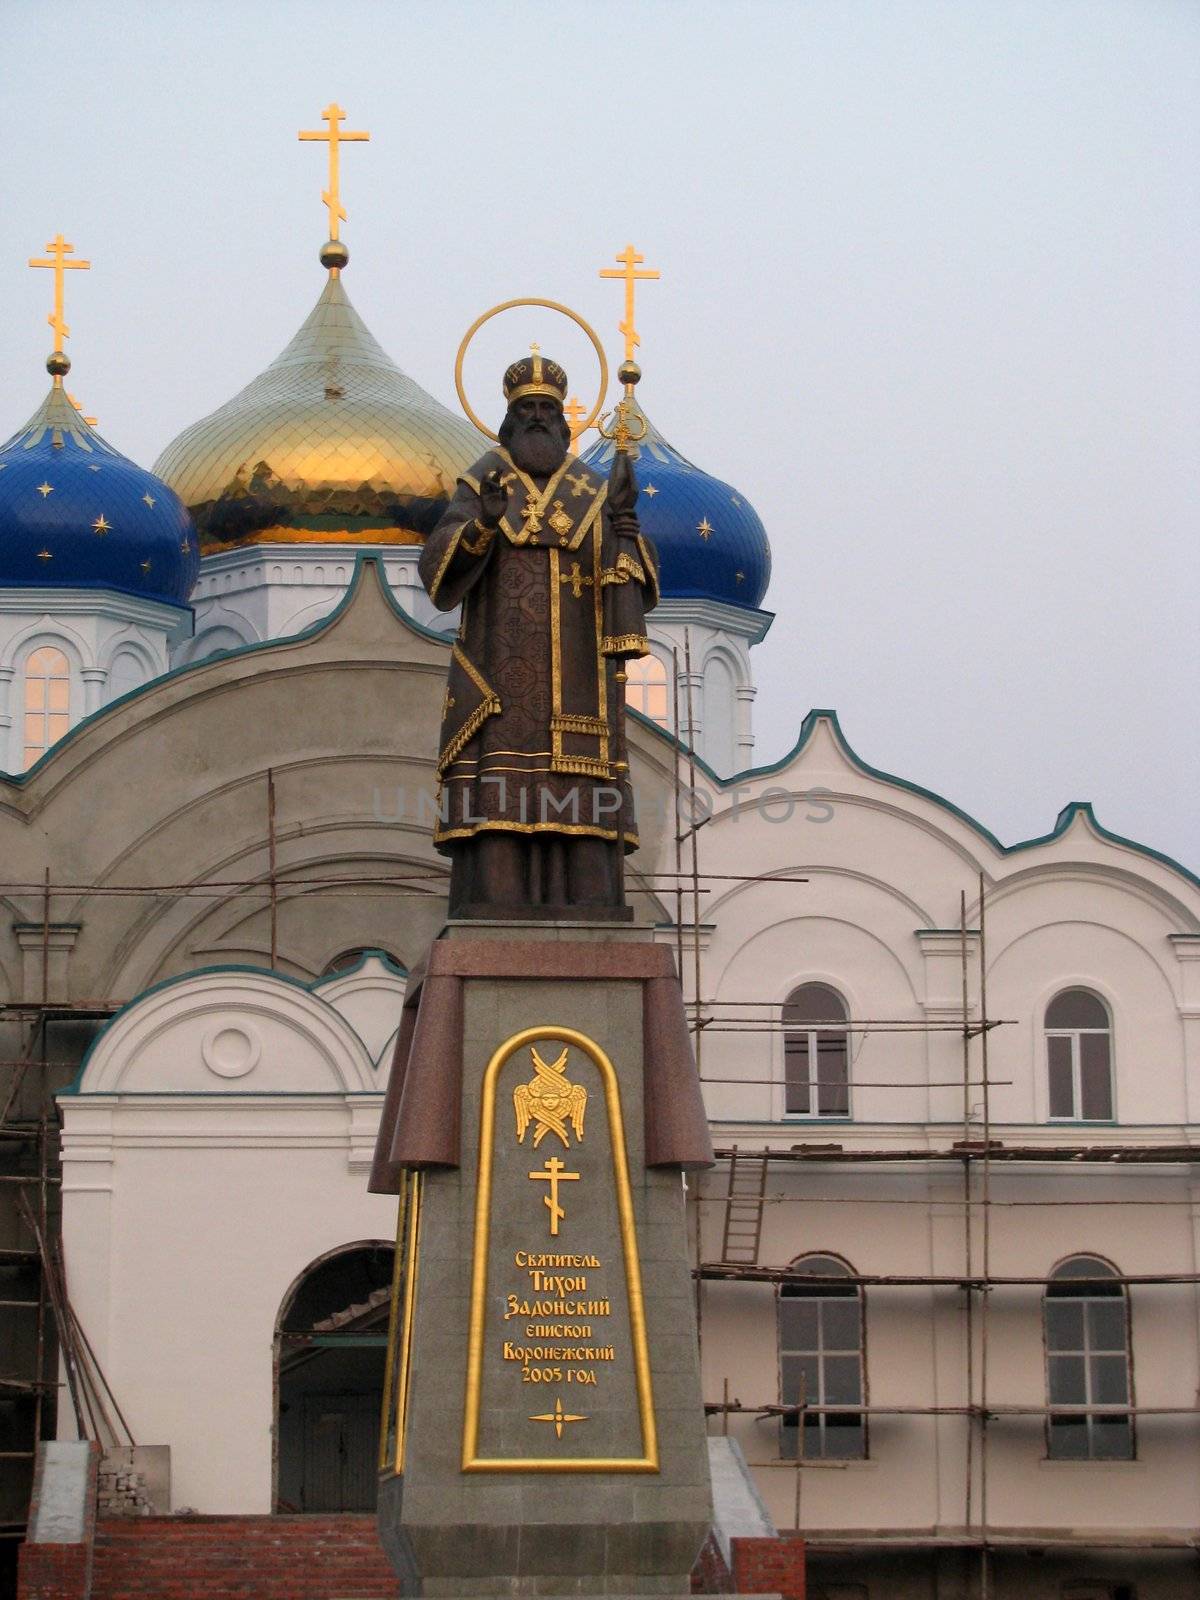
<point x="78" y="404"/>
<point x="56" y="260"/>
<point x="575" y="412"/>
<point x="630" y="261"/>
<point x="334" y="136"/>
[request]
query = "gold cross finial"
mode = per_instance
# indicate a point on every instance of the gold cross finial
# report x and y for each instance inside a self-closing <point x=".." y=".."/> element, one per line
<point x="334" y="136"/>
<point x="575" y="411"/>
<point x="630" y="261"/>
<point x="56" y="259"/>
<point x="78" y="404"/>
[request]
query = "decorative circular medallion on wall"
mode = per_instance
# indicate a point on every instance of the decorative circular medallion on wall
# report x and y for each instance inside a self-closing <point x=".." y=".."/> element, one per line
<point x="231" y="1052"/>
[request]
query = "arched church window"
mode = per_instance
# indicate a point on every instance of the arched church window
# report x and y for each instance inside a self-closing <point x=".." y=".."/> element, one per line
<point x="816" y="1053"/>
<point x="646" y="688"/>
<point x="1088" y="1363"/>
<point x="821" y="1363"/>
<point x="1079" y="1057"/>
<point x="47" y="700"/>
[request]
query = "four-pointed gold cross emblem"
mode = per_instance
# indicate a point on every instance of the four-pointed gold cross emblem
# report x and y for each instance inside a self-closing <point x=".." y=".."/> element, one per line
<point x="558" y="1416"/>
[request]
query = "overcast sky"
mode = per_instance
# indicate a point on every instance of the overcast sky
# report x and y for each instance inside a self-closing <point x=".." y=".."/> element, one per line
<point x="929" y="299"/>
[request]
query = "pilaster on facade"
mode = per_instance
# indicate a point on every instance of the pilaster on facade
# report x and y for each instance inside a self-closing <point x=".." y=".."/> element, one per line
<point x="942" y="950"/>
<point x="45" y="959"/>
<point x="1187" y="953"/>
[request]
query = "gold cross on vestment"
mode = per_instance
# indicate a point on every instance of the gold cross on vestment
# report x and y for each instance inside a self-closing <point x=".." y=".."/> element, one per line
<point x="555" y="1173"/>
<point x="630" y="261"/>
<point x="59" y="250"/>
<point x="334" y="136"/>
<point x="581" y="484"/>
<point x="531" y="512"/>
<point x="577" y="581"/>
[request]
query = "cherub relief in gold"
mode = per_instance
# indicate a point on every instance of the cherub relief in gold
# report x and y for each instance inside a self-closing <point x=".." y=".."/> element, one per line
<point x="549" y="1101"/>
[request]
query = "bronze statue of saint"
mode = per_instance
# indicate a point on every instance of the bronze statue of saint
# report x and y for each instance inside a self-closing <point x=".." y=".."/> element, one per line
<point x="554" y="577"/>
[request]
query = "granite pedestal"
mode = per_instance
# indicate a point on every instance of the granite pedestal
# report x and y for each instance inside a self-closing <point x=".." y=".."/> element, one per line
<point x="548" y="1432"/>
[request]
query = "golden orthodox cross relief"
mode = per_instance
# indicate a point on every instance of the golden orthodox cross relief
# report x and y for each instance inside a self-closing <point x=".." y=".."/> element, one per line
<point x="554" y="1173"/>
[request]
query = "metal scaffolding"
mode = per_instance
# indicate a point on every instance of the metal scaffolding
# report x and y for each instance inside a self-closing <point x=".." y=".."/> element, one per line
<point x="975" y="1154"/>
<point x="29" y="1133"/>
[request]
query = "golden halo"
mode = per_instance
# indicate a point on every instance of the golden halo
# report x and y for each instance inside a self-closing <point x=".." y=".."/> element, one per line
<point x="507" y="305"/>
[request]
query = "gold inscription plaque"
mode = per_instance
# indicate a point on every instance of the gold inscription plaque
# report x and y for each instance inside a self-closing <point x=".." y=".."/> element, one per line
<point x="587" y="1340"/>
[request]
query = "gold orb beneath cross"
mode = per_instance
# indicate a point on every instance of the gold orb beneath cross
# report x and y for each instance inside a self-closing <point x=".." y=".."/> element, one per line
<point x="334" y="254"/>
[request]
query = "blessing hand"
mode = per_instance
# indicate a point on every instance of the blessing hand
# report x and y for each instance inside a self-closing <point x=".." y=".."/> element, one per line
<point x="493" y="499"/>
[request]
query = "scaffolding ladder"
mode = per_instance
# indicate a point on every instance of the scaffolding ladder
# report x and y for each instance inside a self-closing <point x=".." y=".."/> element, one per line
<point x="744" y="1206"/>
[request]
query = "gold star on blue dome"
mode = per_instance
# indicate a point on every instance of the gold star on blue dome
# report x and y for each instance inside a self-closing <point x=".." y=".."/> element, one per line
<point x="650" y="490"/>
<point x="149" y="499"/>
<point x="101" y="525"/>
<point x="45" y="488"/>
<point x="704" y="529"/>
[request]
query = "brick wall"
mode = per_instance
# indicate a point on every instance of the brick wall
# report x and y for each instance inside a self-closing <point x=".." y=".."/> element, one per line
<point x="230" y="1558"/>
<point x="710" y="1575"/>
<point x="305" y="1558"/>
<point x="53" y="1571"/>
<point x="769" y="1566"/>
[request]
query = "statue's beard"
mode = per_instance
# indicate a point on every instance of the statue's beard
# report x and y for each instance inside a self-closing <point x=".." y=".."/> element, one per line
<point x="536" y="451"/>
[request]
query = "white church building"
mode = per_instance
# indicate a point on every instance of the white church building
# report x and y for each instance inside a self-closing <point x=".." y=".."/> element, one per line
<point x="947" y="1285"/>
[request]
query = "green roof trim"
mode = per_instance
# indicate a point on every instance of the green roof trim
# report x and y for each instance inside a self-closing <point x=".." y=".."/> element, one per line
<point x="1065" y="819"/>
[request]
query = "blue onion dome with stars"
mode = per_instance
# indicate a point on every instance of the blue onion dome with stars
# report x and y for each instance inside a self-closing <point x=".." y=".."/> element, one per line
<point x="711" y="542"/>
<point x="76" y="514"/>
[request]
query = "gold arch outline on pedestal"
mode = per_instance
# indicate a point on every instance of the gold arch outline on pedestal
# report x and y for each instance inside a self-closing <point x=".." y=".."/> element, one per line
<point x="471" y="1460"/>
<point x="550" y="305"/>
<point x="397" y="1375"/>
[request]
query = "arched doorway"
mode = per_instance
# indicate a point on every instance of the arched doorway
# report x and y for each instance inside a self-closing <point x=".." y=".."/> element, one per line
<point x="330" y="1353"/>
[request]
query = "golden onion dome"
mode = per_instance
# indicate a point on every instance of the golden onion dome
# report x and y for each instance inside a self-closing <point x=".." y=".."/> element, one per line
<point x="332" y="444"/>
